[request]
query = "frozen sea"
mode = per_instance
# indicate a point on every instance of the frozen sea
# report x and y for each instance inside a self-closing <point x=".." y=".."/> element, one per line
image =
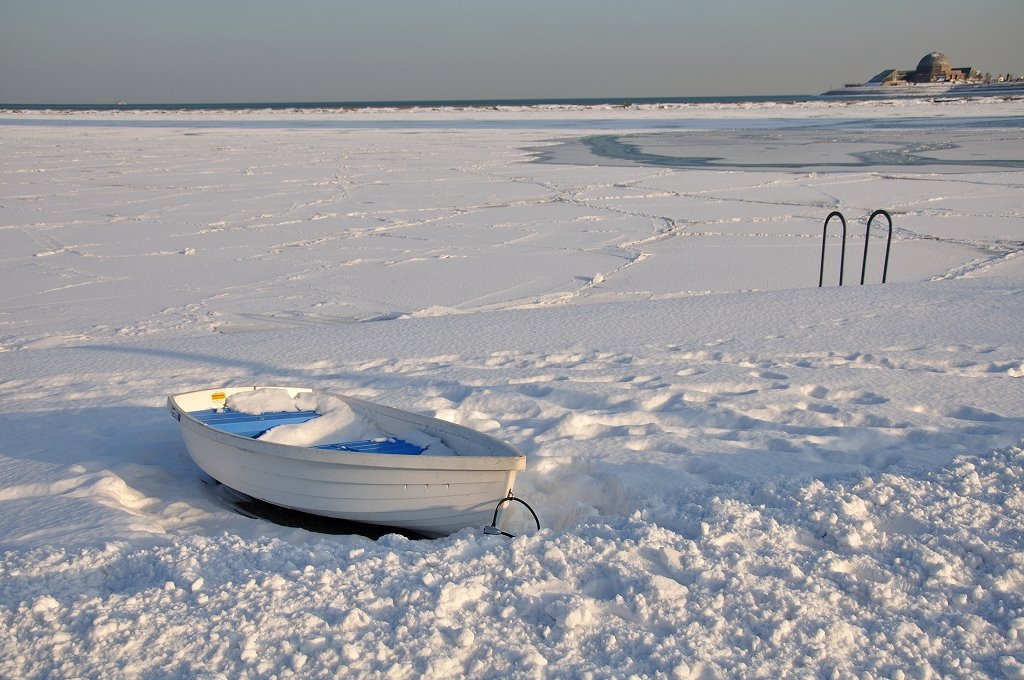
<point x="738" y="473"/>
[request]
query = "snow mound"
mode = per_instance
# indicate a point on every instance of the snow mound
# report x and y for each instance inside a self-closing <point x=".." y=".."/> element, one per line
<point x="264" y="400"/>
<point x="337" y="422"/>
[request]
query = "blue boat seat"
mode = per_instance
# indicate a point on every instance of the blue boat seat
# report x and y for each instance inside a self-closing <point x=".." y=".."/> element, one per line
<point x="248" y="425"/>
<point x="391" y="445"/>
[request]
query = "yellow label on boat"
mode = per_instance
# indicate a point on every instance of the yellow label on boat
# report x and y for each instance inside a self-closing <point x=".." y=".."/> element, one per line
<point x="217" y="396"/>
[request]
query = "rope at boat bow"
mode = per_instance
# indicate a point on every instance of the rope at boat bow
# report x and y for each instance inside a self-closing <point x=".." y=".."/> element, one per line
<point x="494" y="530"/>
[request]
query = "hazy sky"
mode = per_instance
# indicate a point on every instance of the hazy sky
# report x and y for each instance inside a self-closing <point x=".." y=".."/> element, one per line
<point x="145" y="51"/>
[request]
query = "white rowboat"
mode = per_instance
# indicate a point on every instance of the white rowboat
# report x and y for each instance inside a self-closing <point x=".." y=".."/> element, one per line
<point x="386" y="481"/>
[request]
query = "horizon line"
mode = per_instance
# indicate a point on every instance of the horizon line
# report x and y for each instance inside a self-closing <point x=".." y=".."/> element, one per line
<point x="123" y="104"/>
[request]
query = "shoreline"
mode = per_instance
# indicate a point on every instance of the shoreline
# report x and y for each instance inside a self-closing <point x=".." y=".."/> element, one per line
<point x="615" y="102"/>
<point x="557" y="117"/>
<point x="454" y="110"/>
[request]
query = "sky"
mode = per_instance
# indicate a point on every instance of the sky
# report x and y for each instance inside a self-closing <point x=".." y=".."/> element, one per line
<point x="144" y="51"/>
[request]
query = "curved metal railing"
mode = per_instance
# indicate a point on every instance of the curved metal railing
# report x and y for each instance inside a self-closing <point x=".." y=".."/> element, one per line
<point x="842" y="251"/>
<point x="888" y="244"/>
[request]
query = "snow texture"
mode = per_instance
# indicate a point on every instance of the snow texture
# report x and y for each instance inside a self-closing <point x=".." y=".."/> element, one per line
<point x="337" y="422"/>
<point x="267" y="400"/>
<point x="739" y="474"/>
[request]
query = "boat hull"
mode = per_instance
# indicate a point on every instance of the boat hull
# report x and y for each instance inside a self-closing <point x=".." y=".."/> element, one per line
<point x="431" y="495"/>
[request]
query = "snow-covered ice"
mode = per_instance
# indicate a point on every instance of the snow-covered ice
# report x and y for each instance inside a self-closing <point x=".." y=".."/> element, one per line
<point x="739" y="474"/>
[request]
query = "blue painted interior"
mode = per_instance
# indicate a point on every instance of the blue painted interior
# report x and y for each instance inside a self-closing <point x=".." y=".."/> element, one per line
<point x="248" y="425"/>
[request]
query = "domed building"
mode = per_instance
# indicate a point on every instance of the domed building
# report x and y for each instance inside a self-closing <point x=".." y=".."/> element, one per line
<point x="933" y="77"/>
<point x="934" y="68"/>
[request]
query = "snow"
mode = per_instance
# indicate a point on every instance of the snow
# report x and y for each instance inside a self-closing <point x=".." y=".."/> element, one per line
<point x="738" y="473"/>
<point x="336" y="422"/>
<point x="269" y="400"/>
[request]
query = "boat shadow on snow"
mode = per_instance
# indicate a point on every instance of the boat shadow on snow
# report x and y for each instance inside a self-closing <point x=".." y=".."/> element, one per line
<point x="296" y="519"/>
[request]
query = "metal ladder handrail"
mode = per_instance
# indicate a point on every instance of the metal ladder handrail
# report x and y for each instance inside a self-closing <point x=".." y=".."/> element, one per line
<point x="842" y="252"/>
<point x="888" y="244"/>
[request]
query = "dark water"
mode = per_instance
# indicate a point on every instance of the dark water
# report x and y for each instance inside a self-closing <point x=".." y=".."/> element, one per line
<point x="441" y="103"/>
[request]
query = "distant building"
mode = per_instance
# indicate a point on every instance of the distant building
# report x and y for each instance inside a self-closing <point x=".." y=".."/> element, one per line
<point x="933" y="68"/>
<point x="933" y="77"/>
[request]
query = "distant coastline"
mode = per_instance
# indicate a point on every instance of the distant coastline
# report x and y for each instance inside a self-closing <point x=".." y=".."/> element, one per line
<point x="858" y="91"/>
<point x="411" y="104"/>
<point x="926" y="90"/>
<point x="934" y="76"/>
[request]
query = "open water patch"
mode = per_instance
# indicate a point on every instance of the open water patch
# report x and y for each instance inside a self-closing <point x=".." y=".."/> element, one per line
<point x="934" y="150"/>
